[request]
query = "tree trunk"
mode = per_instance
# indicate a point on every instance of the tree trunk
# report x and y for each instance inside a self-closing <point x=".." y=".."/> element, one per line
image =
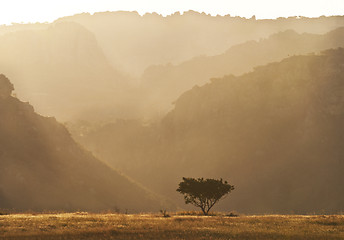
<point x="204" y="212"/>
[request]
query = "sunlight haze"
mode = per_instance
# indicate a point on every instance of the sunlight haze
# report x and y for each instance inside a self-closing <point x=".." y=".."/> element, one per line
<point x="191" y="119"/>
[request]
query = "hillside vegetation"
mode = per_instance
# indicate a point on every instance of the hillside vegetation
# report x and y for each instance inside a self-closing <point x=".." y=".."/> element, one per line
<point x="276" y="133"/>
<point x="43" y="168"/>
<point x="161" y="85"/>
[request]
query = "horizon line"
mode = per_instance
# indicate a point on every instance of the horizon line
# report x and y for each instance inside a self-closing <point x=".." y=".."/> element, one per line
<point x="178" y="13"/>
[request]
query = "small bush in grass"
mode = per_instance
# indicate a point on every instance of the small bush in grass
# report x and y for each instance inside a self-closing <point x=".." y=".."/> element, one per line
<point x="164" y="213"/>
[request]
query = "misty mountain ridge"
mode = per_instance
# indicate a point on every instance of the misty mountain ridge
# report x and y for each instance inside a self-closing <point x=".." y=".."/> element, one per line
<point x="43" y="168"/>
<point x="162" y="85"/>
<point x="94" y="55"/>
<point x="132" y="42"/>
<point x="61" y="70"/>
<point x="275" y="132"/>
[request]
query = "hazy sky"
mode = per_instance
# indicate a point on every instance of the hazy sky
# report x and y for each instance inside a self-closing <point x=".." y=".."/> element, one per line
<point x="48" y="10"/>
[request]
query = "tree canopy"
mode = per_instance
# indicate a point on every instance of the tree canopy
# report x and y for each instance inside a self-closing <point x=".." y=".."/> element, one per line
<point x="204" y="193"/>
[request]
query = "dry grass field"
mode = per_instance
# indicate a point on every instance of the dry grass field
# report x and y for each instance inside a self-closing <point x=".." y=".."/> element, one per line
<point x="178" y="226"/>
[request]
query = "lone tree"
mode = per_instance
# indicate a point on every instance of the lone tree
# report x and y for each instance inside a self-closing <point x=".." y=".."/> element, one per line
<point x="204" y="193"/>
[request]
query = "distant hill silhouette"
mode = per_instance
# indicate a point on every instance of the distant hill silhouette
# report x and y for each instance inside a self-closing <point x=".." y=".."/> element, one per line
<point x="62" y="71"/>
<point x="276" y="133"/>
<point x="163" y="84"/>
<point x="42" y="168"/>
<point x="79" y="67"/>
<point x="132" y="42"/>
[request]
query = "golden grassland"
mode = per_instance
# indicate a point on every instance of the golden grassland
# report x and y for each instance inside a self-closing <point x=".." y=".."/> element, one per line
<point x="82" y="225"/>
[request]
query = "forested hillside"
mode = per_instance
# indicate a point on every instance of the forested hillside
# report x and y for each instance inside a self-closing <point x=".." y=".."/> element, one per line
<point x="276" y="133"/>
<point x="163" y="84"/>
<point x="43" y="168"/>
